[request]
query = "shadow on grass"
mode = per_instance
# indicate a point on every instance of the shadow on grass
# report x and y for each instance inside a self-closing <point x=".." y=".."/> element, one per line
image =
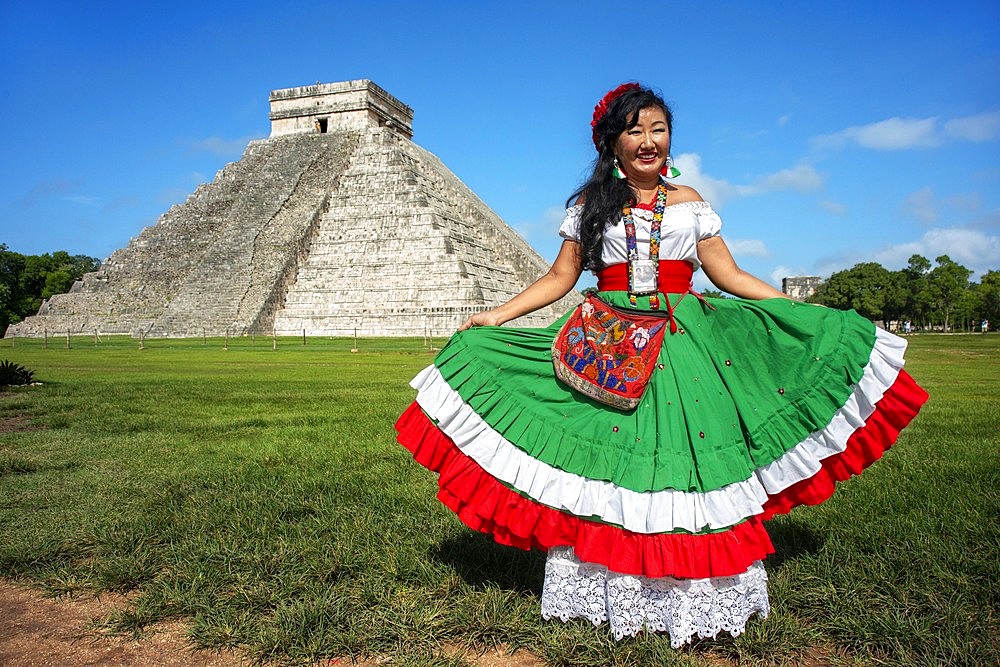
<point x="481" y="563"/>
<point x="791" y="540"/>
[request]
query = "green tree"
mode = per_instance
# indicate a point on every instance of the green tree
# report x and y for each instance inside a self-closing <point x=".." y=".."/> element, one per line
<point x="946" y="284"/>
<point x="11" y="266"/>
<point x="868" y="288"/>
<point x="25" y="280"/>
<point x="914" y="283"/>
<point x="82" y="264"/>
<point x="31" y="283"/>
<point x="967" y="310"/>
<point x="57" y="282"/>
<point x="989" y="296"/>
<point x="896" y="293"/>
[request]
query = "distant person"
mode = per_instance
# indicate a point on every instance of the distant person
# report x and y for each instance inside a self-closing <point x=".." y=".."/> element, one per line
<point x="984" y="326"/>
<point x="651" y="508"/>
<point x="907" y="327"/>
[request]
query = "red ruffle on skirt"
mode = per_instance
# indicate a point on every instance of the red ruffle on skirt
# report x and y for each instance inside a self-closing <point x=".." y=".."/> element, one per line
<point x="898" y="406"/>
<point x="486" y="505"/>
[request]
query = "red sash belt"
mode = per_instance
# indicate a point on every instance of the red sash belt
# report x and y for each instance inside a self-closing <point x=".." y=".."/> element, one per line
<point x="674" y="277"/>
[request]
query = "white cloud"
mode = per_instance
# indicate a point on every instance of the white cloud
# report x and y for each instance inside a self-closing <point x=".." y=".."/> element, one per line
<point x="833" y="207"/>
<point x="891" y="134"/>
<point x="803" y="177"/>
<point x="711" y="189"/>
<point x="970" y="247"/>
<point x="781" y="272"/>
<point x="979" y="128"/>
<point x="905" y="133"/>
<point x="748" y="248"/>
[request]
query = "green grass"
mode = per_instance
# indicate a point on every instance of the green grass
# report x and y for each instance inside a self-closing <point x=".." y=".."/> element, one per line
<point x="260" y="495"/>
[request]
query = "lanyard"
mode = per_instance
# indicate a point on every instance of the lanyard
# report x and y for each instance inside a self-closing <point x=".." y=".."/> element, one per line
<point x="643" y="274"/>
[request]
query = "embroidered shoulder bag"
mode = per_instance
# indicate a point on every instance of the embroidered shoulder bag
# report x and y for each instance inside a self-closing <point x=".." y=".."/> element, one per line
<point x="609" y="353"/>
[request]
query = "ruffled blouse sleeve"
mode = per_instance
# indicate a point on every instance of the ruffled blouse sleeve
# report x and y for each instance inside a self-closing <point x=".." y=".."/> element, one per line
<point x="570" y="227"/>
<point x="708" y="222"/>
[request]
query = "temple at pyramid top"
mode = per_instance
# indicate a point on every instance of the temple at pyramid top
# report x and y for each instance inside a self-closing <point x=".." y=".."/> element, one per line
<point x="332" y="107"/>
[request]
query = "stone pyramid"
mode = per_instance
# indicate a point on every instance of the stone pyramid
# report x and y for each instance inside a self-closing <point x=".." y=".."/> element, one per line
<point x="338" y="223"/>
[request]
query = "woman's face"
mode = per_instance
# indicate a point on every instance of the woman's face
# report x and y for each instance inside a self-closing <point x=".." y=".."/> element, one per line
<point x="643" y="150"/>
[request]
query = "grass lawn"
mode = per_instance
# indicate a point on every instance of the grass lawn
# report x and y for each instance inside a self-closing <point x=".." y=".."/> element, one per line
<point x="260" y="494"/>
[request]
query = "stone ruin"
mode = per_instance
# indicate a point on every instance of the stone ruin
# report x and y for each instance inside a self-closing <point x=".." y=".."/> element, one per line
<point x="336" y="224"/>
<point x="800" y="287"/>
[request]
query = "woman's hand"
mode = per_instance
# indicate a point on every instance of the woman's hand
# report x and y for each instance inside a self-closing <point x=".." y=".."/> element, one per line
<point x="487" y="318"/>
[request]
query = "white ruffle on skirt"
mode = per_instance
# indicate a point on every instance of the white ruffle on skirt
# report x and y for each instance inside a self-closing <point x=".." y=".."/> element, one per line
<point x="668" y="509"/>
<point x="684" y="608"/>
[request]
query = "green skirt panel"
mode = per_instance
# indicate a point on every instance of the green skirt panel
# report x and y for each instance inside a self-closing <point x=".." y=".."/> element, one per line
<point x="737" y="386"/>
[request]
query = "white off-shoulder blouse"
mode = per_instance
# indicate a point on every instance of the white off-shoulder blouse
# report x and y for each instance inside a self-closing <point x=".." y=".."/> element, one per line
<point x="684" y="224"/>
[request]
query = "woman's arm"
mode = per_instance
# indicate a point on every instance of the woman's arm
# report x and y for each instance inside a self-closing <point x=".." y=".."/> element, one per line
<point x="551" y="287"/>
<point x="721" y="269"/>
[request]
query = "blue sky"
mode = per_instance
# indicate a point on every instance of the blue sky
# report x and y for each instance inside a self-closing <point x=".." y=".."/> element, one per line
<point x="825" y="134"/>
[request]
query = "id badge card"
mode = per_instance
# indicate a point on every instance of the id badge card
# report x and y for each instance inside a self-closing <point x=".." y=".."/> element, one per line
<point x="642" y="276"/>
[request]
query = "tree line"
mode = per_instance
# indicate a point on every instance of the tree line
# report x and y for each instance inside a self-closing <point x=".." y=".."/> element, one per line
<point x="931" y="297"/>
<point x="25" y="280"/>
<point x="939" y="297"/>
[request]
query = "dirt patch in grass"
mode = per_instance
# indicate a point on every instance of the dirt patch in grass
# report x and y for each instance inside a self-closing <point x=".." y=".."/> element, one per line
<point x="16" y="424"/>
<point x="496" y="658"/>
<point x="43" y="632"/>
<point x="825" y="656"/>
<point x="46" y="632"/>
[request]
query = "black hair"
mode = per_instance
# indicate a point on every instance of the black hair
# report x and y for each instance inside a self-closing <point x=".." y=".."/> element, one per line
<point x="604" y="196"/>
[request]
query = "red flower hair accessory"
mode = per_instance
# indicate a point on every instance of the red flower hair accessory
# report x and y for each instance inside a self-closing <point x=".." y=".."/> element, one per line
<point x="602" y="106"/>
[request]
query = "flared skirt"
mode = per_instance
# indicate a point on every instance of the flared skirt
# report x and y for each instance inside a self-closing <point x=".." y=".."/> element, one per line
<point x="754" y="407"/>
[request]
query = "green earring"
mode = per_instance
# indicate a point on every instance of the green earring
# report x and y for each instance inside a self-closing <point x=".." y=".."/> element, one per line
<point x="617" y="171"/>
<point x="669" y="170"/>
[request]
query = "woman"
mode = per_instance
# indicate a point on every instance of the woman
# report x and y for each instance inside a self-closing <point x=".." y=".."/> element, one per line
<point x="652" y="516"/>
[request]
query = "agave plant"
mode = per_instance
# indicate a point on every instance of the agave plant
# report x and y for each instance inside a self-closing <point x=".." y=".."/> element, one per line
<point x="11" y="373"/>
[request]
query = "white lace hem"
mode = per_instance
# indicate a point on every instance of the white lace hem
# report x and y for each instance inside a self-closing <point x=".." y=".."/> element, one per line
<point x="684" y="608"/>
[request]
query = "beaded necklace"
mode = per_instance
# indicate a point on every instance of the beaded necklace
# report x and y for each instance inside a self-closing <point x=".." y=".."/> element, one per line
<point x="643" y="274"/>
